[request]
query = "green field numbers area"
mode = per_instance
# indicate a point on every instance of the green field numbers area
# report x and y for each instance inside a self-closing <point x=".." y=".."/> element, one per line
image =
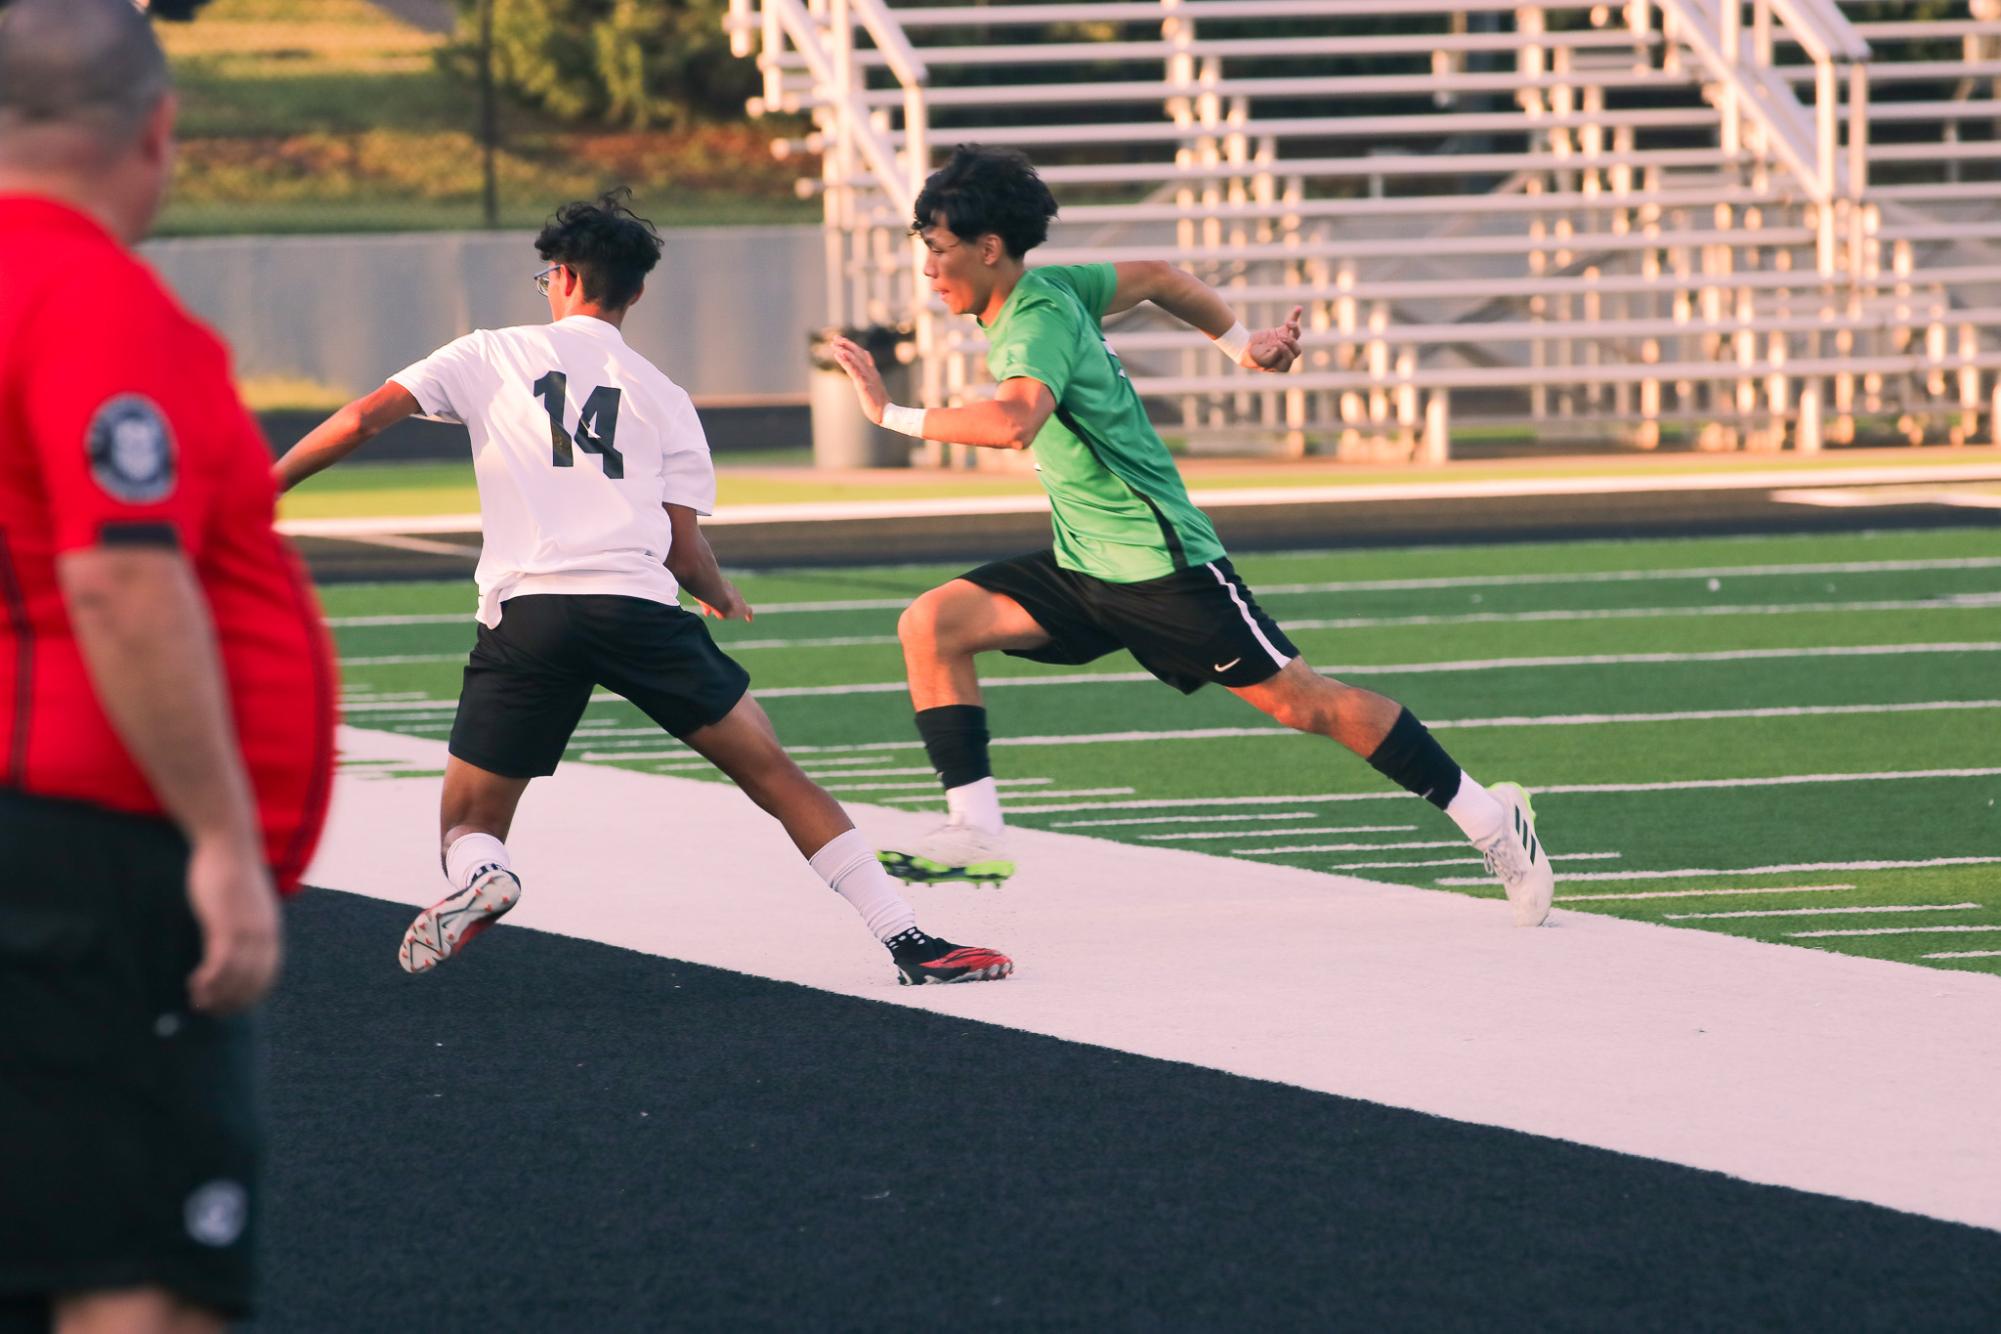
<point x="1796" y="739"/>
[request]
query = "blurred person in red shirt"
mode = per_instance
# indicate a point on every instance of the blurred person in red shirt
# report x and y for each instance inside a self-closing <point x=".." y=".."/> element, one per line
<point x="166" y="717"/>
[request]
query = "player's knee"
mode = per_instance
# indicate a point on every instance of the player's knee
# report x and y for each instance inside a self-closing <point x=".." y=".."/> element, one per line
<point x="922" y="626"/>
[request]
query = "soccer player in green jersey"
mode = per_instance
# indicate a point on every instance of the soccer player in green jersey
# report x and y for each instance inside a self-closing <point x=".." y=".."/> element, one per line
<point x="1134" y="564"/>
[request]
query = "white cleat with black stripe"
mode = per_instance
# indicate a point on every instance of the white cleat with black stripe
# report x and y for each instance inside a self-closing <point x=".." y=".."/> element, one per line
<point x="442" y="929"/>
<point x="1517" y="858"/>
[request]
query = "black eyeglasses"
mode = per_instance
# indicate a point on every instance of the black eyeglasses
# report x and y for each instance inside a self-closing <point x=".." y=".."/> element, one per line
<point x="545" y="277"/>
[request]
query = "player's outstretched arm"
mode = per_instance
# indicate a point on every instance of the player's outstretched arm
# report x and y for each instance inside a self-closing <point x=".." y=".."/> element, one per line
<point x="344" y="432"/>
<point x="693" y="564"/>
<point x="1009" y="420"/>
<point x="1198" y="305"/>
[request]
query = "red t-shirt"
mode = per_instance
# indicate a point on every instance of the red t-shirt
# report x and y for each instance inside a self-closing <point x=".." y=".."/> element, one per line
<point x="119" y="422"/>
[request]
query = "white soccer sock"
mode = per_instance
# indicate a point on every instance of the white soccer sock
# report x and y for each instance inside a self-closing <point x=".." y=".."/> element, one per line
<point x="976" y="803"/>
<point x="848" y="865"/>
<point x="1477" y="811"/>
<point x="471" y="855"/>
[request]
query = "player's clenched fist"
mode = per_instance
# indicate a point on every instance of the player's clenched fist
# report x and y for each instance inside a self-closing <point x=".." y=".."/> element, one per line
<point x="1274" y="349"/>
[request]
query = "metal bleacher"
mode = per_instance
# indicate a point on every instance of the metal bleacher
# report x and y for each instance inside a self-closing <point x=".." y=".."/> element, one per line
<point x="1738" y="223"/>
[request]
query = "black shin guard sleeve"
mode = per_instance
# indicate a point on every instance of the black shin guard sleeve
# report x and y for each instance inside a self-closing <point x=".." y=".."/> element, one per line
<point x="955" y="738"/>
<point x="1412" y="758"/>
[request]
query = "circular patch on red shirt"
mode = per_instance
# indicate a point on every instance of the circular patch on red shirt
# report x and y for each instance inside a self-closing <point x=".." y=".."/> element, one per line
<point x="131" y="450"/>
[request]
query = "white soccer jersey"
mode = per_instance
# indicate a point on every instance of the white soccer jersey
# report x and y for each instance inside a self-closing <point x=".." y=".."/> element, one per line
<point x="577" y="441"/>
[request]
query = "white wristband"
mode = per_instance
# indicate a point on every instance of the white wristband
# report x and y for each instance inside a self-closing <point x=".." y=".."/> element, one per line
<point x="1234" y="341"/>
<point x="909" y="421"/>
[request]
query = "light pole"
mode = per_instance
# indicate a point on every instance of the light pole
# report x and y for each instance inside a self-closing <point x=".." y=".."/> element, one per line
<point x="488" y="130"/>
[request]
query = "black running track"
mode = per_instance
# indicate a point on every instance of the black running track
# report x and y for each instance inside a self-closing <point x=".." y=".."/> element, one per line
<point x="556" y="1135"/>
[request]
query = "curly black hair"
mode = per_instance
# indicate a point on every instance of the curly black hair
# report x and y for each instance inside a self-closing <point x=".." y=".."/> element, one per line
<point x="985" y="190"/>
<point x="611" y="248"/>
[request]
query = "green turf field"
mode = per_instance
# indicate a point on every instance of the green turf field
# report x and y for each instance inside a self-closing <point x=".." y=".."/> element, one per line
<point x="1796" y="739"/>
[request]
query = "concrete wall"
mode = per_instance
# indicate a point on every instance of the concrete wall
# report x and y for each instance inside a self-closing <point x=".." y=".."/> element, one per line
<point x="726" y="313"/>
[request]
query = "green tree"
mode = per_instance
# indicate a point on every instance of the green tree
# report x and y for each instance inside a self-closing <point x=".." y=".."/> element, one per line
<point x="631" y="63"/>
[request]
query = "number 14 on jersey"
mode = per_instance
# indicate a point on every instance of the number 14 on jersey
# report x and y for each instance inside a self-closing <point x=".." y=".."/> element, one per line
<point x="597" y="424"/>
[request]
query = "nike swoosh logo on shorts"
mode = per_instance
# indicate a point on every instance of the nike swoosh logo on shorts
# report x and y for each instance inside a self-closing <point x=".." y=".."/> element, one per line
<point x="1226" y="666"/>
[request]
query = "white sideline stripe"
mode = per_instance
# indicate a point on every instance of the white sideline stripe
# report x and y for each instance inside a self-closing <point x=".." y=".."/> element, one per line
<point x="1685" y="785"/>
<point x="1966" y="954"/>
<point x="931" y="784"/>
<point x="1353" y="847"/>
<point x="934" y="794"/>
<point x="1892" y="931"/>
<point x="1203" y="819"/>
<point x="1410" y="998"/>
<point x="1816" y="912"/>
<point x="1466" y="861"/>
<point x="1701" y="893"/>
<point x="1789" y="868"/>
<point x="1229" y="498"/>
<point x="1269" y="833"/>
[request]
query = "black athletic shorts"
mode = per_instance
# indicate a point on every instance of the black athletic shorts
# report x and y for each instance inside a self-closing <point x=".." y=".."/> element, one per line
<point x="529" y="678"/>
<point x="1188" y="628"/>
<point x="128" y="1124"/>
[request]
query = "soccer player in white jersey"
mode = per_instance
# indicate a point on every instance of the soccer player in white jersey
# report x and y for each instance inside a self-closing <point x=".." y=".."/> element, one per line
<point x="593" y="471"/>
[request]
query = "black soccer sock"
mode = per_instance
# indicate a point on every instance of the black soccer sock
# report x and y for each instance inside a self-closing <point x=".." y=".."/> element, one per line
<point x="955" y="737"/>
<point x="1412" y="758"/>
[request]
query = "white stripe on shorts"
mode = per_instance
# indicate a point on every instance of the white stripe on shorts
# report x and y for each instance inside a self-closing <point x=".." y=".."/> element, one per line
<point x="1279" y="658"/>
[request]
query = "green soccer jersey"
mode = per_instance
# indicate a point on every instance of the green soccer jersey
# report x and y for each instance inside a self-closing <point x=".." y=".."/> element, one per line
<point x="1119" y="507"/>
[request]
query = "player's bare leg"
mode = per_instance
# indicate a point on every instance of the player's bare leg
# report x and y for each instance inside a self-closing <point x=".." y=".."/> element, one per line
<point x="133" y="1311"/>
<point x="1306" y="701"/>
<point x="744" y="745"/>
<point x="1499" y="821"/>
<point x="475" y="814"/>
<point x="942" y="632"/>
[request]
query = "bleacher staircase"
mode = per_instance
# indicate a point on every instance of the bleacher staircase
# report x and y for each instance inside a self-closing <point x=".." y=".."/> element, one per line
<point x="1751" y="222"/>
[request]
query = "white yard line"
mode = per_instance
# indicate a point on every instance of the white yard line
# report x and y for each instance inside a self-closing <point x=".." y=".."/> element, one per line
<point x="1066" y="792"/>
<point x="1341" y="669"/>
<point x="1701" y="893"/>
<point x="1350" y="670"/>
<point x="1952" y="602"/>
<point x="1789" y="868"/>
<point x="1462" y="861"/>
<point x="1269" y="731"/>
<point x="1273" y="833"/>
<point x="1442" y="583"/>
<point x="931" y="784"/>
<point x="1695" y="1047"/>
<point x="1386" y="794"/>
<point x="1965" y="954"/>
<point x="1816" y="912"/>
<point x="1893" y="931"/>
<point x="1205" y="819"/>
<point x="1352" y="847"/>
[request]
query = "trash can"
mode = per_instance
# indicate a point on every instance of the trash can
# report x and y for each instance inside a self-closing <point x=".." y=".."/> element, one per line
<point x="842" y="436"/>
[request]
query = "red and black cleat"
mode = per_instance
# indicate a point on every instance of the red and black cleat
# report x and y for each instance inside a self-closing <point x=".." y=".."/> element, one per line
<point x="922" y="959"/>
